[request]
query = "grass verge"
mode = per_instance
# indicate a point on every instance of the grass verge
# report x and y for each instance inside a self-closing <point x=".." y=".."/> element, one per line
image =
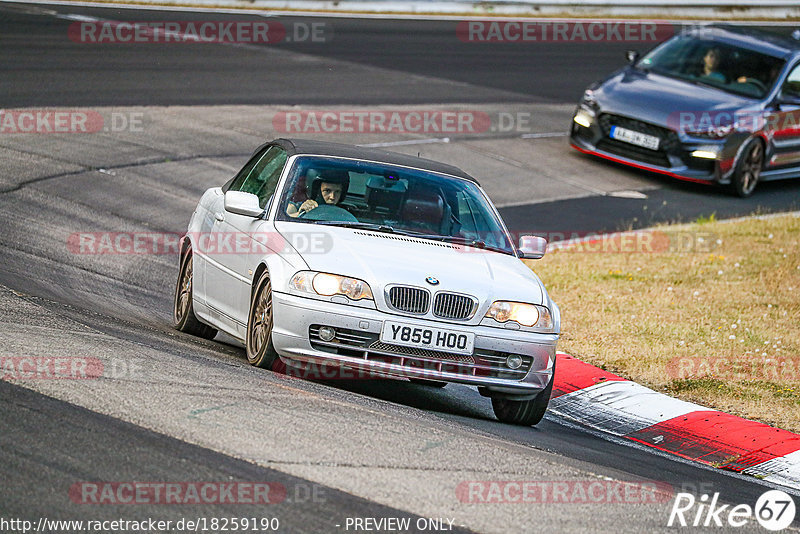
<point x="707" y="312"/>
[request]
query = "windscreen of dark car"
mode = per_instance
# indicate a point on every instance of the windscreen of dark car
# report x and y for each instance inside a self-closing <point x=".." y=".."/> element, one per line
<point x="378" y="196"/>
<point x="721" y="65"/>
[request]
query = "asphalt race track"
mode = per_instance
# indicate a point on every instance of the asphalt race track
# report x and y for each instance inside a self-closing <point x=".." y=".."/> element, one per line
<point x="169" y="408"/>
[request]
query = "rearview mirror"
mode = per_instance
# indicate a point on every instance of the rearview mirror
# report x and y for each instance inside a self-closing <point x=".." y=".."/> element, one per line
<point x="632" y="56"/>
<point x="532" y="247"/>
<point x="242" y="203"/>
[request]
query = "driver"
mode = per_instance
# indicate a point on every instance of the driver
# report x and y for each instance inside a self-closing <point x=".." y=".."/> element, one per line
<point x="710" y="65"/>
<point x="330" y="187"/>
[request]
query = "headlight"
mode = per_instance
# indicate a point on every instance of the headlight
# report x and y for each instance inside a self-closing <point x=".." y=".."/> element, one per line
<point x="524" y="314"/>
<point x="328" y="285"/>
<point x="584" y="117"/>
<point x="712" y="132"/>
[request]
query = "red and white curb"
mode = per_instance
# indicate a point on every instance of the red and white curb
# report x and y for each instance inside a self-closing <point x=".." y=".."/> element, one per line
<point x="609" y="403"/>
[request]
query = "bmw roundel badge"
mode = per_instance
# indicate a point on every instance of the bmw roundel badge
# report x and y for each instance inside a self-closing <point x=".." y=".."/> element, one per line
<point x="432" y="281"/>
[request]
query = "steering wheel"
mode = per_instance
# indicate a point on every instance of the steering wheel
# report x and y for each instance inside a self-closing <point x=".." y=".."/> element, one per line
<point x="329" y="212"/>
<point x="756" y="82"/>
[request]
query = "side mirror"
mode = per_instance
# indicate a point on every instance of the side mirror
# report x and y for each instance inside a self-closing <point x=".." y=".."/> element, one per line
<point x="242" y="203"/>
<point x="532" y="247"/>
<point x="787" y="100"/>
<point x="632" y="56"/>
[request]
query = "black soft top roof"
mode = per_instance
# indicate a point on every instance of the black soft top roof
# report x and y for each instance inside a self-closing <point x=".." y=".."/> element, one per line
<point x="324" y="148"/>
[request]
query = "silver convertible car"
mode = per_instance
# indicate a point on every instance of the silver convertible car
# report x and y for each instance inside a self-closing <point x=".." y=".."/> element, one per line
<point x="381" y="264"/>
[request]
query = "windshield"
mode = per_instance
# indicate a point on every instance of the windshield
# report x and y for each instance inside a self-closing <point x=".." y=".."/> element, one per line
<point x="720" y="65"/>
<point x="387" y="198"/>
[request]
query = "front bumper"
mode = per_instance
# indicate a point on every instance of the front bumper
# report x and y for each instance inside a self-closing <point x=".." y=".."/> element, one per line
<point x="294" y="336"/>
<point x="674" y="158"/>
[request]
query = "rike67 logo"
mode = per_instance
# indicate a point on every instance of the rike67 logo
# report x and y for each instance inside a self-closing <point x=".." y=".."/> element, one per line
<point x="774" y="510"/>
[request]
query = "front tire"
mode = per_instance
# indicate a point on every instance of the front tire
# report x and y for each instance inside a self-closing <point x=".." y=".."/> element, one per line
<point x="183" y="317"/>
<point x="260" y="351"/>
<point x="524" y="413"/>
<point x="748" y="169"/>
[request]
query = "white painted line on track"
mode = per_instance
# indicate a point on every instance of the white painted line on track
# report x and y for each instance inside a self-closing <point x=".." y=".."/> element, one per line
<point x="627" y="194"/>
<point x="544" y="135"/>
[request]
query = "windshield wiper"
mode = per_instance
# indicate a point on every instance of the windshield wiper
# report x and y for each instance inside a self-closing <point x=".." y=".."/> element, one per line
<point x="357" y="224"/>
<point x="476" y="243"/>
<point x="702" y="83"/>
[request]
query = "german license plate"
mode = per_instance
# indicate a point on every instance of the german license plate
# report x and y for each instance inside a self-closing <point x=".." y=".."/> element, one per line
<point x="635" y="138"/>
<point x="424" y="337"/>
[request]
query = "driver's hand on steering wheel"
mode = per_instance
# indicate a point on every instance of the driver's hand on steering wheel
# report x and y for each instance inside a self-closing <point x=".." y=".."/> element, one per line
<point x="307" y="206"/>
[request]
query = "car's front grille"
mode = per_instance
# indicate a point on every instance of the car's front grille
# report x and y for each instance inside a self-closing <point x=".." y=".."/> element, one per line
<point x="365" y="346"/>
<point x="633" y="152"/>
<point x="421" y="353"/>
<point x="453" y="306"/>
<point x="409" y="299"/>
<point x="668" y="140"/>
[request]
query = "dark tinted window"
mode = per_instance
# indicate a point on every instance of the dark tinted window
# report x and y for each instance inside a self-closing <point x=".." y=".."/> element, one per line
<point x="791" y="87"/>
<point x="721" y="65"/>
<point x="410" y="201"/>
<point x="260" y="175"/>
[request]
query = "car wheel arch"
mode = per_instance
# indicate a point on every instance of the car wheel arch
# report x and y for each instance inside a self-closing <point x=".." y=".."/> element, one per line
<point x="745" y="148"/>
<point x="257" y="276"/>
<point x="186" y="246"/>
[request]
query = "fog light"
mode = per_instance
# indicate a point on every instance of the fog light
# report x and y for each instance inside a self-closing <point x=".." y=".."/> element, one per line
<point x="704" y="154"/>
<point x="514" y="361"/>
<point x="326" y="333"/>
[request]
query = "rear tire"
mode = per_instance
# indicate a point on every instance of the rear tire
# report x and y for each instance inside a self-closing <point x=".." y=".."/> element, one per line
<point x="260" y="350"/>
<point x="183" y="317"/>
<point x="748" y="169"/>
<point x="524" y="413"/>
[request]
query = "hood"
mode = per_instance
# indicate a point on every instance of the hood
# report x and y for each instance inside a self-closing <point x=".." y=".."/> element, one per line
<point x="660" y="99"/>
<point x="381" y="259"/>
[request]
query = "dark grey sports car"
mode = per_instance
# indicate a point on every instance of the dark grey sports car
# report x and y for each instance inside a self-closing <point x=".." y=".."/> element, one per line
<point x="716" y="104"/>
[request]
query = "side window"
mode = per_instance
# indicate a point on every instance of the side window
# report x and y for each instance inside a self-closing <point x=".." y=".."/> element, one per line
<point x="260" y="175"/>
<point x="791" y="87"/>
